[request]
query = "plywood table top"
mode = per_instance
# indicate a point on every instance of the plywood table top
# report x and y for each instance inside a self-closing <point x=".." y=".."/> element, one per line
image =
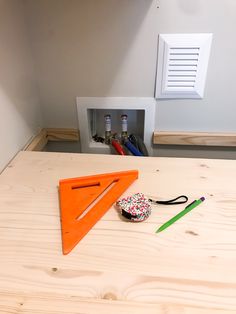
<point x="119" y="266"/>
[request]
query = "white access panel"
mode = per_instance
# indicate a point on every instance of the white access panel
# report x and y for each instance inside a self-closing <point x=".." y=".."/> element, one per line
<point x="182" y="65"/>
<point x="86" y="106"/>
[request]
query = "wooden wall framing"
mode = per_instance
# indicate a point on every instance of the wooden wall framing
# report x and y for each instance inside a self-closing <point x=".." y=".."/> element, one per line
<point x="52" y="134"/>
<point x="194" y="138"/>
<point x="159" y="137"/>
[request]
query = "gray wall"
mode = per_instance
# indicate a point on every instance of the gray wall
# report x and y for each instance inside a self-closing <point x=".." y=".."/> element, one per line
<point x="108" y="48"/>
<point x="20" y="116"/>
<point x="91" y="48"/>
<point x="216" y="112"/>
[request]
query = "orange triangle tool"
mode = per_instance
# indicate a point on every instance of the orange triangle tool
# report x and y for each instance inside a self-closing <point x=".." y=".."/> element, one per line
<point x="84" y="200"/>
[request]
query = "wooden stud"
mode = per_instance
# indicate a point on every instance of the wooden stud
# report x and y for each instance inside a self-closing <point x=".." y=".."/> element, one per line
<point x="62" y="134"/>
<point x="52" y="134"/>
<point x="38" y="142"/>
<point x="194" y="138"/>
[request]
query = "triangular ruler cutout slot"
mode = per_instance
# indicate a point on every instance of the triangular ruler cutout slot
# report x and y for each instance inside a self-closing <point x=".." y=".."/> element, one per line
<point x="84" y="200"/>
<point x="96" y="200"/>
<point x="85" y="186"/>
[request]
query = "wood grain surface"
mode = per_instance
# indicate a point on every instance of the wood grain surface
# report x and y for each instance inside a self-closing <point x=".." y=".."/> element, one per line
<point x="38" y="142"/>
<point x="119" y="267"/>
<point x="60" y="134"/>
<point x="194" y="138"/>
<point x="52" y="134"/>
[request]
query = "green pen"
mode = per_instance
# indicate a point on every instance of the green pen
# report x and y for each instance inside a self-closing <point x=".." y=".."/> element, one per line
<point x="181" y="214"/>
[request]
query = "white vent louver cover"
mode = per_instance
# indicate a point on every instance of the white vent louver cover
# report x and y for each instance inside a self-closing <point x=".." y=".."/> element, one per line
<point x="182" y="65"/>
